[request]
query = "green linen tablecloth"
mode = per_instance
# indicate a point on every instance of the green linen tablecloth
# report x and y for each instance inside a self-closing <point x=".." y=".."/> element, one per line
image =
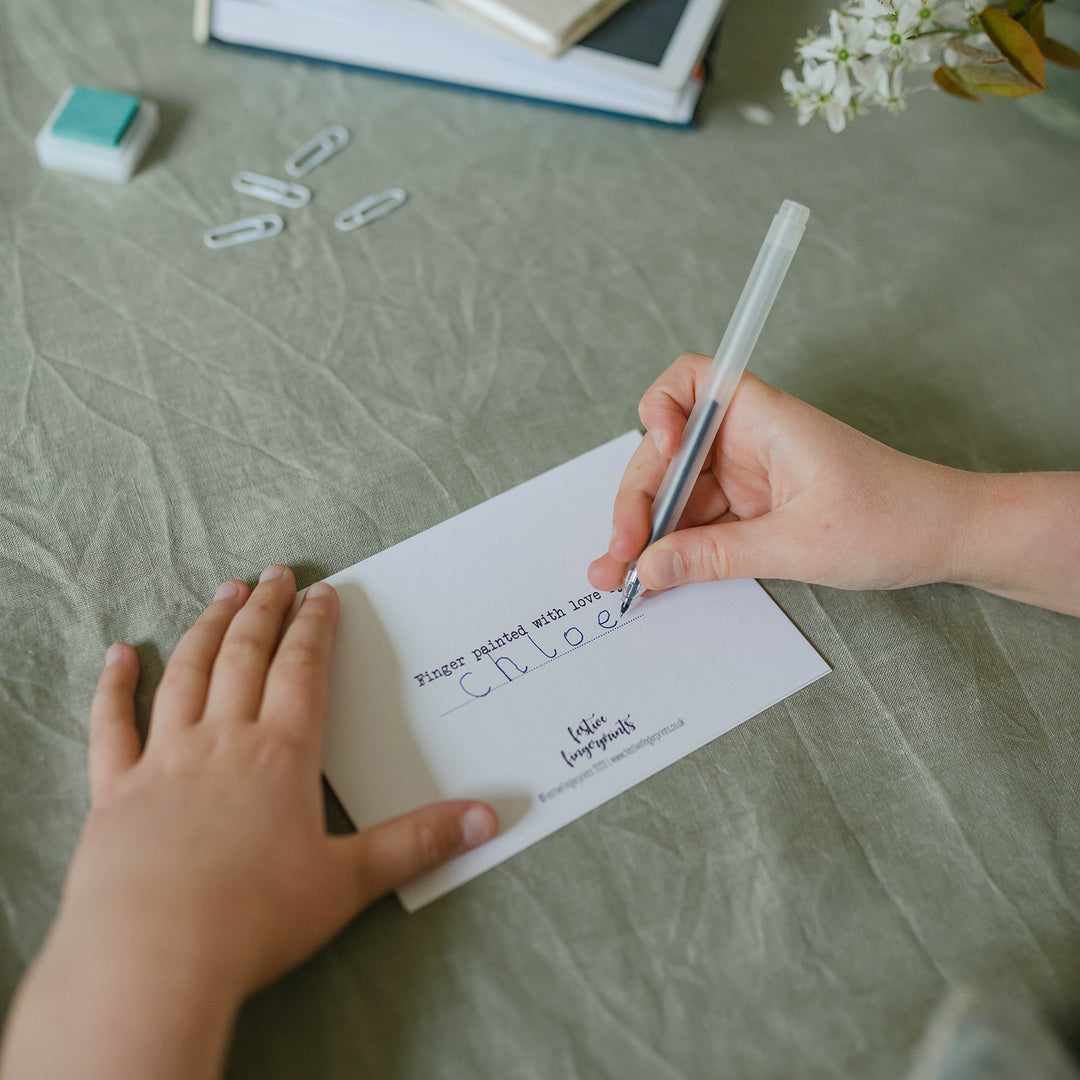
<point x="795" y="898"/>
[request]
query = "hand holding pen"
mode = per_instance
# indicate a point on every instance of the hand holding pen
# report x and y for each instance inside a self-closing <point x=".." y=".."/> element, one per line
<point x="790" y="492"/>
<point x="781" y="490"/>
<point x="755" y="303"/>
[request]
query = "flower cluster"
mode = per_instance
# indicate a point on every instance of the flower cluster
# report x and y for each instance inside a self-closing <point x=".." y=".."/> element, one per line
<point x="869" y="49"/>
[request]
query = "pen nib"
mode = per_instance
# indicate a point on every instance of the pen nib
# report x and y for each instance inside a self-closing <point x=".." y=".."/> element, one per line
<point x="630" y="588"/>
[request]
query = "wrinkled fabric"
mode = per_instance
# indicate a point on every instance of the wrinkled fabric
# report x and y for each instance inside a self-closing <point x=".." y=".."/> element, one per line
<point x="793" y="899"/>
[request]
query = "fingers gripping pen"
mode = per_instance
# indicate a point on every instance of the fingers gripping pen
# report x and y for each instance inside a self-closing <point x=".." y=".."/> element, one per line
<point x="738" y="342"/>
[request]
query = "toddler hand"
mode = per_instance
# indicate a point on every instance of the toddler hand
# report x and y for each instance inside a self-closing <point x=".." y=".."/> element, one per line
<point x="204" y="869"/>
<point x="214" y="834"/>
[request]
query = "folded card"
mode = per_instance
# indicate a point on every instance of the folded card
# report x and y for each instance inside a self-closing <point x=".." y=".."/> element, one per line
<point x="475" y="661"/>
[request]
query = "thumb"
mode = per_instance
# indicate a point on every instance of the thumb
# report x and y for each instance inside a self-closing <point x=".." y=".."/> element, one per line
<point x="734" y="549"/>
<point x="389" y="855"/>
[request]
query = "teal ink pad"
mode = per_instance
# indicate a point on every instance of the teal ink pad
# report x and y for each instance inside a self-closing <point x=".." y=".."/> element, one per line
<point x="95" y="116"/>
<point x="97" y="133"/>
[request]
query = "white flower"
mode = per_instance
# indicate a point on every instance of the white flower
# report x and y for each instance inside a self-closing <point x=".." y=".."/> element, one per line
<point x="895" y="97"/>
<point x="870" y="47"/>
<point x="813" y="95"/>
<point x="874" y="86"/>
<point x="906" y="31"/>
<point x="802" y="95"/>
<point x="841" y="54"/>
<point x="869" y="9"/>
<point x="889" y="90"/>
<point x="956" y="14"/>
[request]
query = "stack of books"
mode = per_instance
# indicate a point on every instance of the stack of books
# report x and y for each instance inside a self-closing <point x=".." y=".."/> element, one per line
<point x="639" y="58"/>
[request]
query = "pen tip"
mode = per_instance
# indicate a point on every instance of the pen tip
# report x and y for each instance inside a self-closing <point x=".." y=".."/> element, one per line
<point x="625" y="605"/>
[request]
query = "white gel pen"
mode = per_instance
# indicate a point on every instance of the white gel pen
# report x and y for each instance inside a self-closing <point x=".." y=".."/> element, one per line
<point x="738" y="343"/>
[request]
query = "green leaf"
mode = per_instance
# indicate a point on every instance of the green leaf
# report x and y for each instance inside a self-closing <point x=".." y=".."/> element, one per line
<point x="1016" y="45"/>
<point x="999" y="80"/>
<point x="1034" y="21"/>
<point x="947" y="80"/>
<point x="1060" y="53"/>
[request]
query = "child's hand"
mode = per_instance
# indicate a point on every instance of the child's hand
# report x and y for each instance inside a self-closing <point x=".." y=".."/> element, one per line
<point x="204" y="870"/>
<point x="788" y="492"/>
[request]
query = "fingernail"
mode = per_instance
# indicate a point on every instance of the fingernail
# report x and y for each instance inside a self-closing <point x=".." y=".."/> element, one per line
<point x="614" y="533"/>
<point x="113" y="653"/>
<point x="271" y="572"/>
<point x="320" y="588"/>
<point x="226" y="590"/>
<point x="663" y="569"/>
<point x="477" y="826"/>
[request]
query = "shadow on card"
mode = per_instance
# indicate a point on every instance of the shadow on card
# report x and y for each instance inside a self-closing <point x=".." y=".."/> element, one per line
<point x="511" y="807"/>
<point x="367" y="725"/>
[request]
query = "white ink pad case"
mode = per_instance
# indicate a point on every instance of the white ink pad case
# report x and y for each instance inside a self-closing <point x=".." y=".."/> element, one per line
<point x="97" y="133"/>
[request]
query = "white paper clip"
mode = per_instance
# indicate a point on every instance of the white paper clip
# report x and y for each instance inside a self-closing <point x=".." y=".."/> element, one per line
<point x="317" y="149"/>
<point x="243" y="231"/>
<point x="374" y="206"/>
<point x="272" y="190"/>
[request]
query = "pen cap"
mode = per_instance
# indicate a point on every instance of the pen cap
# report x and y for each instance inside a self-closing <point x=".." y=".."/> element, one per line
<point x="756" y="301"/>
<point x="788" y="225"/>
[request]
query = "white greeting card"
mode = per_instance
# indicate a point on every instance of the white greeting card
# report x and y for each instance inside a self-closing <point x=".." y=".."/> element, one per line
<point x="475" y="661"/>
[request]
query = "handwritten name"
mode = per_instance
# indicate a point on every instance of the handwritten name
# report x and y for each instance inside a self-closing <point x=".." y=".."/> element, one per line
<point x="515" y="651"/>
<point x="521" y="654"/>
<point x="493" y="645"/>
